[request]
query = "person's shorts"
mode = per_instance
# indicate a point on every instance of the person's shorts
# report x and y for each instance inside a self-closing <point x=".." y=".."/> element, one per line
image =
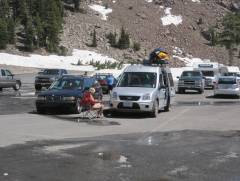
<point x="110" y="87"/>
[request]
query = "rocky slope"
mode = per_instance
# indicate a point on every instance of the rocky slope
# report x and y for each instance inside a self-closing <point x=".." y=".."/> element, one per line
<point x="142" y="19"/>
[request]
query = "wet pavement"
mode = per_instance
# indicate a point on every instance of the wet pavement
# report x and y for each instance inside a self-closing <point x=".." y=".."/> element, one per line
<point x="169" y="156"/>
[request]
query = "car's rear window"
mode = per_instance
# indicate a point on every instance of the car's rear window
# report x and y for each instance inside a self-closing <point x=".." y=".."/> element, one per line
<point x="51" y="72"/>
<point x="227" y="81"/>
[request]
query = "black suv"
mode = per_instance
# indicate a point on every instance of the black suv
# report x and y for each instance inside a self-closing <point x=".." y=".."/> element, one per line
<point x="47" y="76"/>
<point x="7" y="80"/>
<point x="64" y="94"/>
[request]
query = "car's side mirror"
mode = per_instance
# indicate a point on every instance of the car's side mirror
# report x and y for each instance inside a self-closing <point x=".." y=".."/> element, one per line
<point x="178" y="77"/>
<point x="204" y="78"/>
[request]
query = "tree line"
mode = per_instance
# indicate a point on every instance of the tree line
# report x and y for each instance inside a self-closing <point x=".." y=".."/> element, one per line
<point x="227" y="34"/>
<point x="32" y="24"/>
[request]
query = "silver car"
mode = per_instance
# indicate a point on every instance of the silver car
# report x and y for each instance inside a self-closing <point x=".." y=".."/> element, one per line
<point x="143" y="89"/>
<point x="227" y="85"/>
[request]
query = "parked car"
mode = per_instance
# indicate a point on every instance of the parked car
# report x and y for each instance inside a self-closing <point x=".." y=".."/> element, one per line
<point x="7" y="80"/>
<point x="143" y="88"/>
<point x="102" y="78"/>
<point x="64" y="94"/>
<point x="227" y="85"/>
<point x="47" y="76"/>
<point x="191" y="80"/>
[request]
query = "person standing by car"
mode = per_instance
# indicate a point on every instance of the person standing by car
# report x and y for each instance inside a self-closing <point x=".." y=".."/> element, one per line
<point x="110" y="82"/>
<point x="99" y="93"/>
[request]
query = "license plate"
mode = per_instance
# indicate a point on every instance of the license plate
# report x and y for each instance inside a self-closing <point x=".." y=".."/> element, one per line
<point x="127" y="104"/>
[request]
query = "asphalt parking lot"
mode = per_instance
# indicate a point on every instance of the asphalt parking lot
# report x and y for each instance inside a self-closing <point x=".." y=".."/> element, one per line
<point x="197" y="140"/>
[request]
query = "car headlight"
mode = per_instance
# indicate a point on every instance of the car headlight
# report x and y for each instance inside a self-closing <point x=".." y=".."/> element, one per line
<point x="146" y="97"/>
<point x="114" y="95"/>
<point x="41" y="98"/>
<point x="198" y="82"/>
<point x="53" y="79"/>
<point x="180" y="82"/>
<point x="68" y="98"/>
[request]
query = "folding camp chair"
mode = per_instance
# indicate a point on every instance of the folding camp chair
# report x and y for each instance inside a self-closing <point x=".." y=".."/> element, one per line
<point x="88" y="112"/>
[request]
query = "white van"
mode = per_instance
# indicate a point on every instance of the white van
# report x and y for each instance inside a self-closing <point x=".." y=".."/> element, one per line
<point x="143" y="88"/>
<point x="211" y="71"/>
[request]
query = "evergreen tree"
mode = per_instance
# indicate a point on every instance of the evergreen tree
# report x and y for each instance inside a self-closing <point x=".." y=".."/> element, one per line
<point x="3" y="34"/>
<point x="40" y="38"/>
<point x="23" y="12"/>
<point x="4" y="9"/>
<point x="11" y="31"/>
<point x="112" y="39"/>
<point x="53" y="24"/>
<point x="230" y="36"/>
<point x="124" y="40"/>
<point x="94" y="39"/>
<point x="29" y="35"/>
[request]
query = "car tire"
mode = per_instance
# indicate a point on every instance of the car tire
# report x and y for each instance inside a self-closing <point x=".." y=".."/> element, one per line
<point x="200" y="91"/>
<point x="38" y="87"/>
<point x="181" y="91"/>
<point x="17" y="86"/>
<point x="154" y="112"/>
<point x="41" y="110"/>
<point x="77" y="108"/>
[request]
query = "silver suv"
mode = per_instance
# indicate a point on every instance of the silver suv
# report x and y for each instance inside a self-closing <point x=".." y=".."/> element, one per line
<point x="7" y="80"/>
<point x="143" y="89"/>
<point x="191" y="80"/>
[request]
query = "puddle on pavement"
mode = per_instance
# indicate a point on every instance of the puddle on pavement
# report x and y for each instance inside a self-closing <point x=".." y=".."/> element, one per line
<point x="206" y="103"/>
<point x="114" y="156"/>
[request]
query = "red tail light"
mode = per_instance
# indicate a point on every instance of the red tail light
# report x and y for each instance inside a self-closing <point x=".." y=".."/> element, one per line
<point x="102" y="82"/>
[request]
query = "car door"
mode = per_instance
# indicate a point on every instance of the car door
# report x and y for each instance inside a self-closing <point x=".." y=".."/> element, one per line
<point x="10" y="78"/>
<point x="171" y="83"/>
<point x="3" y="79"/>
<point x="161" y="91"/>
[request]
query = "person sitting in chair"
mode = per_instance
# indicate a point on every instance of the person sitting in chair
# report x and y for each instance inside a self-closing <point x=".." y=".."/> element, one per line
<point x="88" y="100"/>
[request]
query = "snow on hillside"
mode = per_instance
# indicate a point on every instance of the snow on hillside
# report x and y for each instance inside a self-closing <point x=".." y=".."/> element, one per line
<point x="169" y="19"/>
<point x="54" y="61"/>
<point x="102" y="10"/>
<point x="196" y="1"/>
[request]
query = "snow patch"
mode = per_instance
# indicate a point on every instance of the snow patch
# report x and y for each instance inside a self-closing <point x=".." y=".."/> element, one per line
<point x="102" y="10"/>
<point x="169" y="19"/>
<point x="149" y="1"/>
<point x="196" y="1"/>
<point x="54" y="61"/>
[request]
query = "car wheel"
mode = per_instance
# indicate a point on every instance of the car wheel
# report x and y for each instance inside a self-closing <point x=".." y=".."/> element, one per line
<point x="154" y="112"/>
<point x="41" y="110"/>
<point x="77" y="107"/>
<point x="200" y="91"/>
<point x="17" y="86"/>
<point x="38" y="87"/>
<point x="181" y="91"/>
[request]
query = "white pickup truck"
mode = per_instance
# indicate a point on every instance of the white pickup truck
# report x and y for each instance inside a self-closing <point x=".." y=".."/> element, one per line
<point x="7" y="80"/>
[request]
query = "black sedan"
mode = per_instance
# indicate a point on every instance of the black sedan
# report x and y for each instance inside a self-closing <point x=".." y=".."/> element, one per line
<point x="64" y="95"/>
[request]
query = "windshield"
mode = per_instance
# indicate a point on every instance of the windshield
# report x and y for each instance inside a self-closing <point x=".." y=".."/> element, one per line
<point x="208" y="73"/>
<point x="51" y="72"/>
<point x="70" y="84"/>
<point x="138" y="79"/>
<point x="227" y="81"/>
<point x="191" y="74"/>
